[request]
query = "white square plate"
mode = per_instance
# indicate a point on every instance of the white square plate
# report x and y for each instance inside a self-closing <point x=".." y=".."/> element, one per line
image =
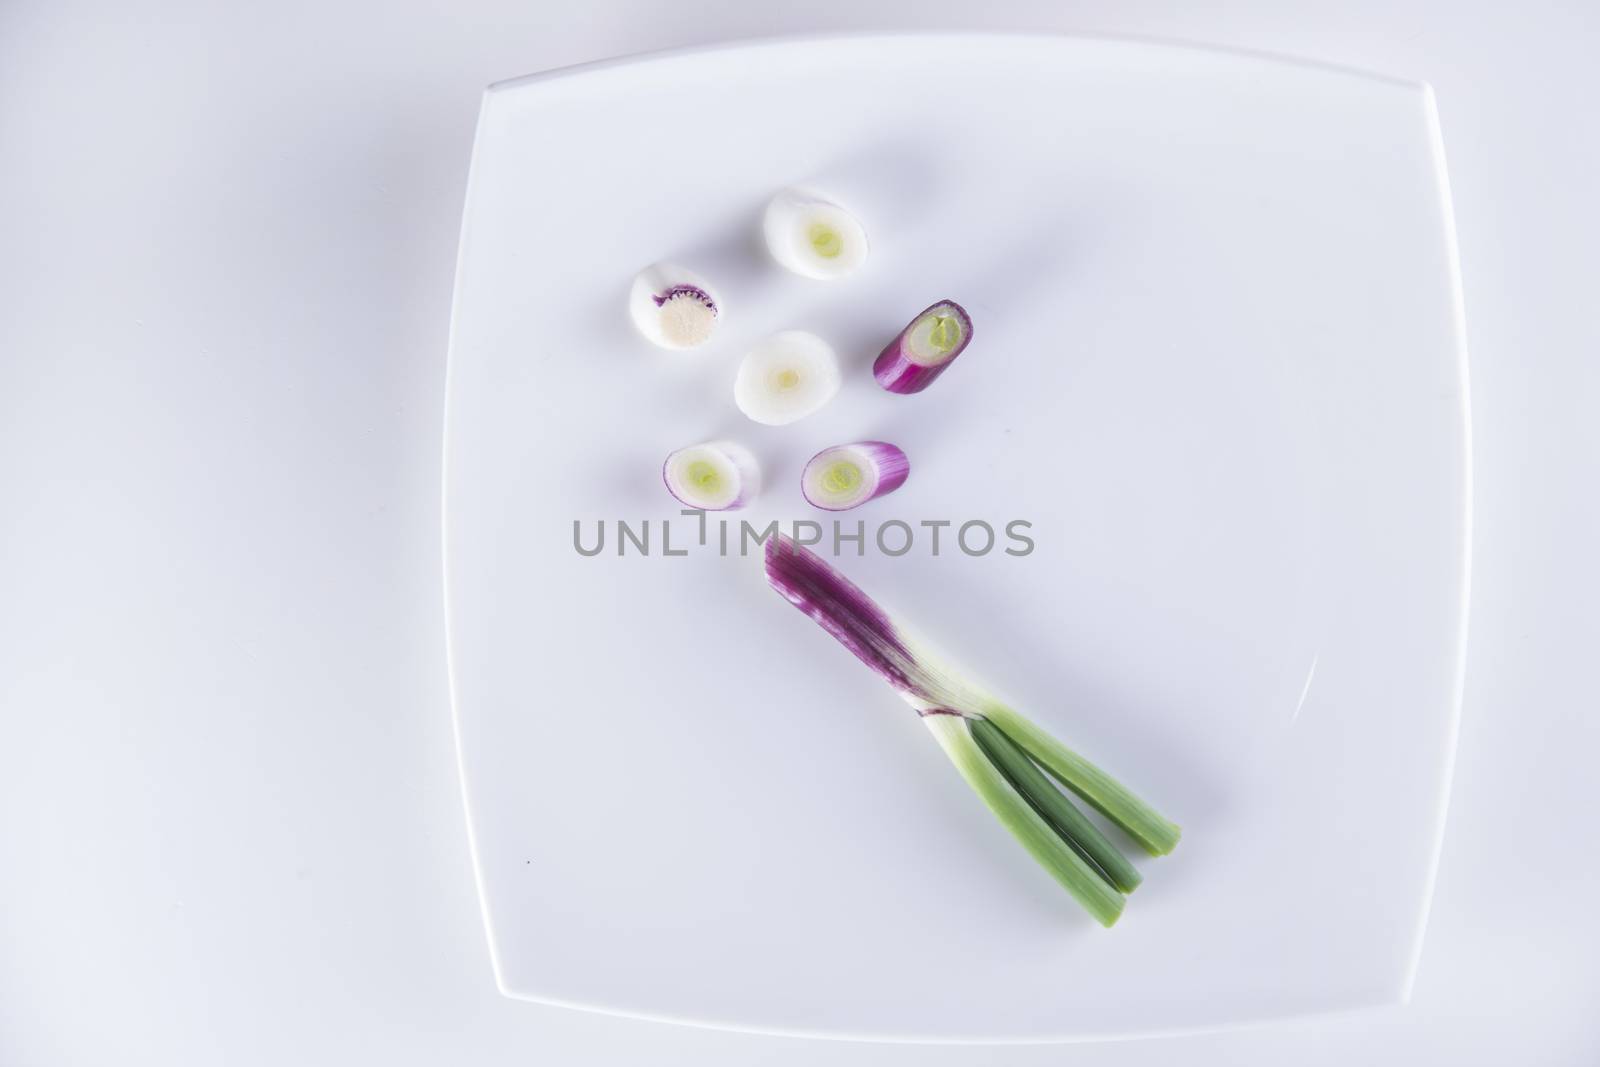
<point x="1218" y="365"/>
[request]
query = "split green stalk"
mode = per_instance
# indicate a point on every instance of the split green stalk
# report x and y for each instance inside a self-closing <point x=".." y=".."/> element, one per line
<point x="1076" y="875"/>
<point x="1057" y="810"/>
<point x="1105" y="794"/>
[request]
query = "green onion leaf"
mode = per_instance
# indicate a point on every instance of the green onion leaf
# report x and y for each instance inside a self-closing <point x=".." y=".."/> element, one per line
<point x="1073" y="826"/>
<point x="1104" y="793"/>
<point x="1098" y="897"/>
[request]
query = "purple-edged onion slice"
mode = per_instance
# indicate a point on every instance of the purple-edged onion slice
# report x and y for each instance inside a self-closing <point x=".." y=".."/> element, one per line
<point x="924" y="349"/>
<point x="847" y="476"/>
<point x="715" y="476"/>
<point x="673" y="306"/>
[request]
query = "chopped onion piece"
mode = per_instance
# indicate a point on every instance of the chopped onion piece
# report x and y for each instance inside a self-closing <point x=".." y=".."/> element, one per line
<point x="924" y="349"/>
<point x="786" y="377"/>
<point x="673" y="306"/>
<point x="715" y="476"/>
<point x="813" y="236"/>
<point x="847" y="476"/>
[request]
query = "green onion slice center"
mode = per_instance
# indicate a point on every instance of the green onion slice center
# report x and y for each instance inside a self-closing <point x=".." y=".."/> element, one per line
<point x="704" y="476"/>
<point x="841" y="477"/>
<point x="825" y="240"/>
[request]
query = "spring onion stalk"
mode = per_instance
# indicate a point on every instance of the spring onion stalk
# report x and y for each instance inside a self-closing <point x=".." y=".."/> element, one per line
<point x="786" y="377"/>
<point x="847" y="476"/>
<point x="813" y="236"/>
<point x="929" y="344"/>
<point x="673" y="306"/>
<point x="998" y="750"/>
<point x="714" y="476"/>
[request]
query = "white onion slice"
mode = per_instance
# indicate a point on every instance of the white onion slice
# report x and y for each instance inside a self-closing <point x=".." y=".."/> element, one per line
<point x="673" y="306"/>
<point x="813" y="236"/>
<point x="714" y="476"/>
<point x="786" y="377"/>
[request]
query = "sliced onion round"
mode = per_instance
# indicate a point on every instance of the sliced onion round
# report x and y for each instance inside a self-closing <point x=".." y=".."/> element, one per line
<point x="786" y="377"/>
<point x="847" y="476"/>
<point x="813" y="236"/>
<point x="714" y="476"/>
<point x="673" y="306"/>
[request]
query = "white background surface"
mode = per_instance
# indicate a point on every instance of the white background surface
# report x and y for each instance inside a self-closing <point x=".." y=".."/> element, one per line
<point x="230" y="828"/>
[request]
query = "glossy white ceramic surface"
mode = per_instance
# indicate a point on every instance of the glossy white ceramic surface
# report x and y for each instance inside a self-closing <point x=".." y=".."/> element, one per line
<point x="1218" y="366"/>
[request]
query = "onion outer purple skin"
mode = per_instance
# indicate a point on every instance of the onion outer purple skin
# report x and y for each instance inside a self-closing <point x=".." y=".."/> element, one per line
<point x="837" y="605"/>
<point x="885" y="464"/>
<point x="857" y="622"/>
<point x="898" y="372"/>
